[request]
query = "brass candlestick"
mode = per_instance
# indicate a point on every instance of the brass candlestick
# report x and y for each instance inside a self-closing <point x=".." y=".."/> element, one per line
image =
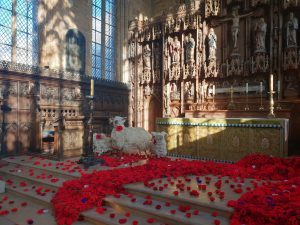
<point x="271" y="113"/>
<point x="247" y="90"/>
<point x="231" y="104"/>
<point x="247" y="106"/>
<point x="278" y="107"/>
<point x="213" y="104"/>
<point x="88" y="157"/>
<point x="261" y="104"/>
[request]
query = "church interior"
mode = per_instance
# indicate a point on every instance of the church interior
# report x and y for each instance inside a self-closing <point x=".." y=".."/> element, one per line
<point x="136" y="112"/>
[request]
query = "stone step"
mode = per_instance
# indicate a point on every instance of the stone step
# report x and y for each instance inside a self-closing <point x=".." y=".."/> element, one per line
<point x="67" y="170"/>
<point x="32" y="175"/>
<point x="28" y="212"/>
<point x="106" y="218"/>
<point x="171" y="214"/>
<point x="179" y="191"/>
<point x="31" y="193"/>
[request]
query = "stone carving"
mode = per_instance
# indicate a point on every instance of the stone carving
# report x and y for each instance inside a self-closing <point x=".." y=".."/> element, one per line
<point x="189" y="49"/>
<point x="147" y="90"/>
<point x="290" y="3"/>
<point x="212" y="44"/>
<point x="146" y="64"/>
<point x="157" y="63"/>
<point x="212" y="69"/>
<point x="132" y="50"/>
<point x="291" y="31"/>
<point x="49" y="94"/>
<point x="189" y="90"/>
<point x="175" y="50"/>
<point x="175" y="73"/>
<point x="191" y="22"/>
<point x="166" y="100"/>
<point x="175" y="94"/>
<point x="260" y="63"/>
<point x="260" y="35"/>
<point x="77" y="93"/>
<point x="68" y="94"/>
<point x="147" y="57"/>
<point x="212" y="7"/>
<point x="9" y="89"/>
<point x="147" y="34"/>
<point x="235" y="66"/>
<point x="190" y="71"/>
<point x="75" y="51"/>
<point x="235" y="27"/>
<point x="291" y="58"/>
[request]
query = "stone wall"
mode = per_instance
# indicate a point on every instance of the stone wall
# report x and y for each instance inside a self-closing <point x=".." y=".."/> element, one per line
<point x="55" y="18"/>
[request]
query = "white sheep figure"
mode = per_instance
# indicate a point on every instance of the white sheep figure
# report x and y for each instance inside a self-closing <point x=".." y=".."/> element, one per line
<point x="129" y="139"/>
<point x="159" y="146"/>
<point x="101" y="143"/>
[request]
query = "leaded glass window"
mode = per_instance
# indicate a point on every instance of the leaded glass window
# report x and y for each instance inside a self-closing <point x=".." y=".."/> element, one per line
<point x="6" y="12"/>
<point x="19" y="34"/>
<point x="103" y="39"/>
<point x="27" y="32"/>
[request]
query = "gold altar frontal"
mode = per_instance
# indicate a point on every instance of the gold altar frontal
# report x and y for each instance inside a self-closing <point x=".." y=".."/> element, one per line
<point x="224" y="139"/>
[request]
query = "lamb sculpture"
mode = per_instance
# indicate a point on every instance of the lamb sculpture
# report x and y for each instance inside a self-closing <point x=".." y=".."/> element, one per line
<point x="159" y="145"/>
<point x="130" y="139"/>
<point x="102" y="143"/>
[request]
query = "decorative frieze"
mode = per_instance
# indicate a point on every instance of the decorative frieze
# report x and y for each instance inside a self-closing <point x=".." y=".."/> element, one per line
<point x="291" y="58"/>
<point x="212" y="8"/>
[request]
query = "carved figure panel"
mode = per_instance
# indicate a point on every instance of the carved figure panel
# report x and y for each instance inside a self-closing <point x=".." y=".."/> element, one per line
<point x="49" y="94"/>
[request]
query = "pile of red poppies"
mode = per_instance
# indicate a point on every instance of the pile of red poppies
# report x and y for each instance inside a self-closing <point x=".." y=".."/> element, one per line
<point x="89" y="191"/>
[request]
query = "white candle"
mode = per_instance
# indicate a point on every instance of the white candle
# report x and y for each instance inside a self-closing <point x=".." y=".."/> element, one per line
<point x="271" y="83"/>
<point x="92" y="87"/>
<point x="247" y="88"/>
<point x="278" y="86"/>
<point x="214" y="90"/>
<point x="261" y="87"/>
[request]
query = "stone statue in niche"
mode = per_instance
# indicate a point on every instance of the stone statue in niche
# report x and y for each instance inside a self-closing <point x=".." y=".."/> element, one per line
<point x="75" y="51"/>
<point x="189" y="49"/>
<point x="175" y="95"/>
<point x="291" y="30"/>
<point x="173" y="87"/>
<point x="146" y="57"/>
<point x="189" y="90"/>
<point x="212" y="44"/>
<point x="260" y="35"/>
<point x="147" y="90"/>
<point x="175" y="49"/>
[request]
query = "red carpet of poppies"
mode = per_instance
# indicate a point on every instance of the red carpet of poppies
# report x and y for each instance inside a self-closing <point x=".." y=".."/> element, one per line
<point x="273" y="203"/>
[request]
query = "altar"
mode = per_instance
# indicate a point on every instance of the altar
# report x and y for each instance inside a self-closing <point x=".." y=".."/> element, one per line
<point x="227" y="139"/>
